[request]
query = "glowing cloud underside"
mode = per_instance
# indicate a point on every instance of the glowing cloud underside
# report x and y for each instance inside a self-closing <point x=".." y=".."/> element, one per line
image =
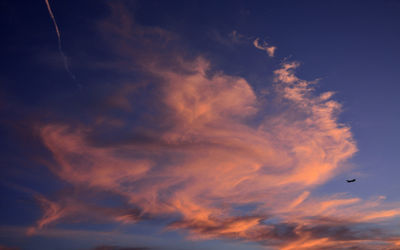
<point x="216" y="150"/>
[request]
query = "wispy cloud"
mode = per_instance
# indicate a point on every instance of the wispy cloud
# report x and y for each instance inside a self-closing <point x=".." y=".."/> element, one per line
<point x="52" y="212"/>
<point x="262" y="45"/>
<point x="230" y="39"/>
<point x="195" y="145"/>
<point x="109" y="247"/>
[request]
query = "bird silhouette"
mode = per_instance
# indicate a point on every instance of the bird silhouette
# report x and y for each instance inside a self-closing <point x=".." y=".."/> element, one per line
<point x="352" y="180"/>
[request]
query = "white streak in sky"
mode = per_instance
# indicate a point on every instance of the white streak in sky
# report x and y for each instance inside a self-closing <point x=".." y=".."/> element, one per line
<point x="59" y="40"/>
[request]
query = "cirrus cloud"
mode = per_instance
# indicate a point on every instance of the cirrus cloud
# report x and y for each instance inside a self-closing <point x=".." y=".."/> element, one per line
<point x="196" y="145"/>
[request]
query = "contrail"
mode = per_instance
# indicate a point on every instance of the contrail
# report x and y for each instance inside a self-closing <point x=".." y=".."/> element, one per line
<point x="59" y="41"/>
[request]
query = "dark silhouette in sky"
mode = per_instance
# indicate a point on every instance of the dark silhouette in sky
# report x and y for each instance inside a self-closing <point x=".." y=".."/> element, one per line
<point x="352" y="180"/>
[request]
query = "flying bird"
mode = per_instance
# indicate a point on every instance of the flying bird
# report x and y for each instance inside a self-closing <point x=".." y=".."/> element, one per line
<point x="353" y="180"/>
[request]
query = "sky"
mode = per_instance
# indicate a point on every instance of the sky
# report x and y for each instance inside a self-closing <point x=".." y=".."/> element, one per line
<point x="199" y="125"/>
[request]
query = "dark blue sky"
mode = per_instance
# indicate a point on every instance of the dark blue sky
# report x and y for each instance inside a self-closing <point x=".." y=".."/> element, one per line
<point x="144" y="97"/>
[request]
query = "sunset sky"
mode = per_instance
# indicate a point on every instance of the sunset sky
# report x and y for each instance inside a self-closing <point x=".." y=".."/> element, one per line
<point x="128" y="125"/>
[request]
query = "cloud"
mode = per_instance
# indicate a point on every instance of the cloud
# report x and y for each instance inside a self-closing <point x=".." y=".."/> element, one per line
<point x="107" y="247"/>
<point x="230" y="39"/>
<point x="236" y="37"/>
<point x="81" y="206"/>
<point x="197" y="145"/>
<point x="264" y="46"/>
<point x="52" y="212"/>
<point x="299" y="199"/>
<point x="8" y="248"/>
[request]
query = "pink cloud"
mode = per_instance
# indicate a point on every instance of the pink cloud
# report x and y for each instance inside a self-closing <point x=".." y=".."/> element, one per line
<point x="52" y="212"/>
<point x="264" y="46"/>
<point x="215" y="153"/>
<point x="208" y="147"/>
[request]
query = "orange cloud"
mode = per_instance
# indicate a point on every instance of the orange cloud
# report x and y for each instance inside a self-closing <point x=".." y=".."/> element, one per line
<point x="204" y="147"/>
<point x="299" y="199"/>
<point x="264" y="46"/>
<point x="211" y="156"/>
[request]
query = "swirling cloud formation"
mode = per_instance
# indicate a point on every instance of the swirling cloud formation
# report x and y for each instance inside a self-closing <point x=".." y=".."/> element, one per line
<point x="204" y="148"/>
